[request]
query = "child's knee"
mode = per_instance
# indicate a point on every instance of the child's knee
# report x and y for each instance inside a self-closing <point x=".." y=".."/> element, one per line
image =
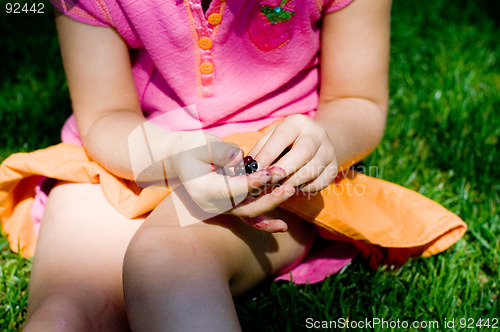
<point x="66" y="312"/>
<point x="157" y="254"/>
<point x="147" y="247"/>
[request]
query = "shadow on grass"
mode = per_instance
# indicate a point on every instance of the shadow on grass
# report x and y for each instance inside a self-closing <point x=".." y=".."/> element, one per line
<point x="34" y="100"/>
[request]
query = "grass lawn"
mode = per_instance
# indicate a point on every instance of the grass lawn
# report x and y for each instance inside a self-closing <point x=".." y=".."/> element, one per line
<point x="442" y="140"/>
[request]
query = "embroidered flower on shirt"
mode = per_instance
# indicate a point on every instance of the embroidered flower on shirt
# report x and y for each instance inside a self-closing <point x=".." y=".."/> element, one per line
<point x="277" y="14"/>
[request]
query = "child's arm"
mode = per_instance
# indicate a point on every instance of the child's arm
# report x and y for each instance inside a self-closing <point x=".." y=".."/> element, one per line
<point x="104" y="98"/>
<point x="107" y="111"/>
<point x="351" y="116"/>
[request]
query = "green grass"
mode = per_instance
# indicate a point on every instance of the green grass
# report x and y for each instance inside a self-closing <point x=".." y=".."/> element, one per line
<point x="442" y="140"/>
<point x="33" y="94"/>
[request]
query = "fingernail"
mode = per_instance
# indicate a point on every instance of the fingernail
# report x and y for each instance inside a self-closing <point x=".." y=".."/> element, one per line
<point x="258" y="179"/>
<point x="261" y="224"/>
<point x="233" y="153"/>
<point x="289" y="191"/>
<point x="277" y="172"/>
<point x="265" y="174"/>
<point x="256" y="220"/>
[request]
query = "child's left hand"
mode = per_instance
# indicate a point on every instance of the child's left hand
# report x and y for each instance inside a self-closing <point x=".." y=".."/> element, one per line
<point x="311" y="164"/>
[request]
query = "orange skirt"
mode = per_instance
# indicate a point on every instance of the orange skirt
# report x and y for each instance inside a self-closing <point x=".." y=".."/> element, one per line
<point x="388" y="223"/>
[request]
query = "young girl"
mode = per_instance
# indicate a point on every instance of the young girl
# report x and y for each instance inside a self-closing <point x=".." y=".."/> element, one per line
<point x="249" y="72"/>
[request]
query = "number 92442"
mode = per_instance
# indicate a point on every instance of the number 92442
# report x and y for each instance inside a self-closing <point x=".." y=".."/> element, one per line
<point x="26" y="8"/>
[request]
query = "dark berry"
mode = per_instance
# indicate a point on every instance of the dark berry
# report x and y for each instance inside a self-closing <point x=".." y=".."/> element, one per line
<point x="247" y="160"/>
<point x="247" y="166"/>
<point x="251" y="167"/>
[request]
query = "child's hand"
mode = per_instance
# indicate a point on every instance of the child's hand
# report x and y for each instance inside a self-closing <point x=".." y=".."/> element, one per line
<point x="254" y="208"/>
<point x="205" y="171"/>
<point x="311" y="163"/>
<point x="203" y="163"/>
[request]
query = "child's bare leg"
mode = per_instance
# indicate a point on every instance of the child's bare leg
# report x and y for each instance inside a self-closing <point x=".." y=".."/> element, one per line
<point x="183" y="278"/>
<point x="76" y="282"/>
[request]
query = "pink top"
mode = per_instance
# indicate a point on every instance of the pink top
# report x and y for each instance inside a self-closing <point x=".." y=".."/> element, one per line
<point x="241" y="69"/>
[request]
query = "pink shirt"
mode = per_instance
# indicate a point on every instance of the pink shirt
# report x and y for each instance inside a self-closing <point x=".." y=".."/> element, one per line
<point x="240" y="70"/>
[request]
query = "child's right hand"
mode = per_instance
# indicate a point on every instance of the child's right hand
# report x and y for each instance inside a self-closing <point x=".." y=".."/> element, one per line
<point x="197" y="157"/>
<point x="219" y="191"/>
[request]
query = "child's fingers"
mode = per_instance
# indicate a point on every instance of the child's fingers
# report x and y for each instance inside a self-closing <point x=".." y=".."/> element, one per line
<point x="323" y="180"/>
<point x="218" y="193"/>
<point x="200" y="161"/>
<point x="240" y="186"/>
<point x="266" y="223"/>
<point x="320" y="164"/>
<point x="260" y="143"/>
<point x="224" y="154"/>
<point x="217" y="152"/>
<point x="302" y="153"/>
<point x="264" y="203"/>
<point x="279" y="139"/>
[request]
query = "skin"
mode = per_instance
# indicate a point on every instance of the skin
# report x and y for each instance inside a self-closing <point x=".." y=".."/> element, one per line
<point x="96" y="270"/>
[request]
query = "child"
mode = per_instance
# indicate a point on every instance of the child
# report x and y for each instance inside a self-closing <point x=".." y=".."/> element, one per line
<point x="105" y="262"/>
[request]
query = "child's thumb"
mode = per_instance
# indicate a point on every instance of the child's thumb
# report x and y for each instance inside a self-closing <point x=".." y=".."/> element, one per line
<point x="225" y="154"/>
<point x="266" y="223"/>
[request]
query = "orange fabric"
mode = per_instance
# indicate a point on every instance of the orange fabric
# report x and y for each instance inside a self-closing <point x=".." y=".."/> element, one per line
<point x="387" y="222"/>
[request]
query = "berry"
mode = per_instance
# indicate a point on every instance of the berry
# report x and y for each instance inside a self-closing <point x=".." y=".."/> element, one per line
<point x="249" y="165"/>
<point x="247" y="160"/>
